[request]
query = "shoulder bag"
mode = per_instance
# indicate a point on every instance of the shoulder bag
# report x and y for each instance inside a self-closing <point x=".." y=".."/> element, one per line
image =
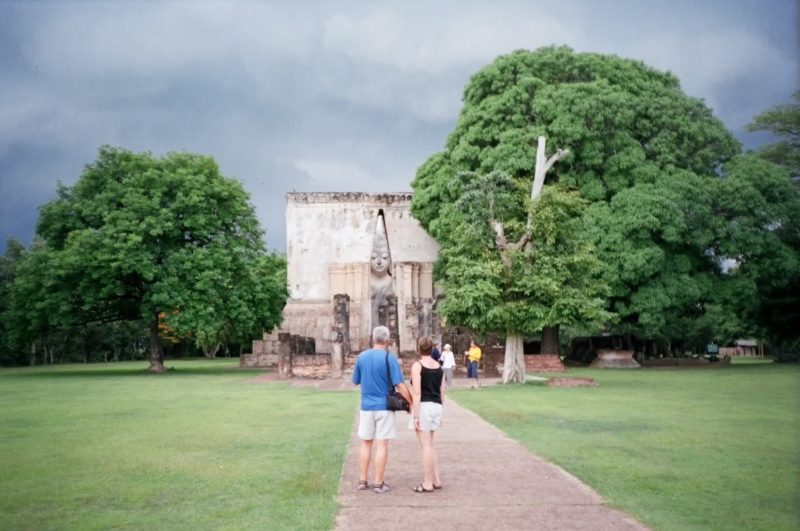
<point x="395" y="401"/>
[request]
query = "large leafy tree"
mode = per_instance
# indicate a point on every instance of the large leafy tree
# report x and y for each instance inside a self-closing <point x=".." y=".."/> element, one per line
<point x="758" y="214"/>
<point x="641" y="153"/>
<point x="782" y="121"/>
<point x="139" y="235"/>
<point x="516" y="266"/>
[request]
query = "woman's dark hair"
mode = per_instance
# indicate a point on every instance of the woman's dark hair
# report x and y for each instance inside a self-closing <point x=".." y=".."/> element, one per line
<point x="425" y="346"/>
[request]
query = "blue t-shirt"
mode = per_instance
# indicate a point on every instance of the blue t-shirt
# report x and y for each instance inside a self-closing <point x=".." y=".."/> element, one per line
<point x="435" y="354"/>
<point x="370" y="373"/>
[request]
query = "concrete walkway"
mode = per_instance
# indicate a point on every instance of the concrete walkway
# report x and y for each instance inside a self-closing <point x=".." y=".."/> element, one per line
<point x="490" y="482"/>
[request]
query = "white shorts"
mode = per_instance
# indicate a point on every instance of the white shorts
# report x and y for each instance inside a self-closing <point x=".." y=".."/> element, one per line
<point x="430" y="417"/>
<point x="379" y="425"/>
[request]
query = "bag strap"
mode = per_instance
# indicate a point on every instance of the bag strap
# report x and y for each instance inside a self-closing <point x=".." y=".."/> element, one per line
<point x="389" y="373"/>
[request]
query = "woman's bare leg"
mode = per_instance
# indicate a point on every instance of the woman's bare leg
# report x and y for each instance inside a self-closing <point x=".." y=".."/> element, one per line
<point x="435" y="462"/>
<point x="427" y="468"/>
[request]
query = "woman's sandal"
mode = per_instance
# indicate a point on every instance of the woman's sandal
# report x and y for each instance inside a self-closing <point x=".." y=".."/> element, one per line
<point x="420" y="488"/>
<point x="437" y="487"/>
<point x="363" y="485"/>
<point x="383" y="488"/>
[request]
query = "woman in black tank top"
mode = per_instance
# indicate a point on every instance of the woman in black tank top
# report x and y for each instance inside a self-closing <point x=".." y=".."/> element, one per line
<point x="428" y="390"/>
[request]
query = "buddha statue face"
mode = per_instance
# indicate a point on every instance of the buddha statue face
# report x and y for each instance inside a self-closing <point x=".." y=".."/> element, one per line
<point x="380" y="260"/>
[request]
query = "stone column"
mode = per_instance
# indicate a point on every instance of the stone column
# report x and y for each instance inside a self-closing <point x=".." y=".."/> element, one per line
<point x="426" y="280"/>
<point x="338" y="278"/>
<point x="337" y="357"/>
<point x="341" y="320"/>
<point x="415" y="282"/>
<point x="393" y="323"/>
<point x="285" y="356"/>
<point x="351" y="279"/>
<point x="425" y="317"/>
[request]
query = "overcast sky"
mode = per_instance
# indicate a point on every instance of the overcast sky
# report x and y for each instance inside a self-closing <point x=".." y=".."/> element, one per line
<point x="327" y="96"/>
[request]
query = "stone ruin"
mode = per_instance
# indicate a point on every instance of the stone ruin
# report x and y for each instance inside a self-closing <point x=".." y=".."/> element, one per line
<point x="355" y="261"/>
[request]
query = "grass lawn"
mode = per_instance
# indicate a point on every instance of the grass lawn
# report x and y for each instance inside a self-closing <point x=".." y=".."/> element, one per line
<point x="709" y="449"/>
<point x="107" y="446"/>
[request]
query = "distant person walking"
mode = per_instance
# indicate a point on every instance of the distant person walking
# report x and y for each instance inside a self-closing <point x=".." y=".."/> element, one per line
<point x="376" y="422"/>
<point x="473" y="357"/>
<point x="435" y="354"/>
<point x="427" y="383"/>
<point x="448" y="364"/>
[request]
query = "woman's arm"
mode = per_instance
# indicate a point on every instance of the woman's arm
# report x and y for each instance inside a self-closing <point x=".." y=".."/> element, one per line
<point x="416" y="391"/>
<point x="416" y="387"/>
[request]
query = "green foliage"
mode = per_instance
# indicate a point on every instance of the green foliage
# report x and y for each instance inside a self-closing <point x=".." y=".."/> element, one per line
<point x="138" y="235"/>
<point x="759" y="214"/>
<point x="554" y="281"/>
<point x="782" y="121"/>
<point x="8" y="263"/>
<point x="670" y="198"/>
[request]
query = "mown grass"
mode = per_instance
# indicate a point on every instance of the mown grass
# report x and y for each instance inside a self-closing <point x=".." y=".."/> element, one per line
<point x="713" y="449"/>
<point x="109" y="446"/>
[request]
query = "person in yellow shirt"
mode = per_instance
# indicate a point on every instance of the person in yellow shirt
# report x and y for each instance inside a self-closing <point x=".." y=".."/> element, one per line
<point x="473" y="357"/>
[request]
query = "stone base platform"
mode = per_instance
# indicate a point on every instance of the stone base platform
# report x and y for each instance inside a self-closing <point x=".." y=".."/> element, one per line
<point x="614" y="359"/>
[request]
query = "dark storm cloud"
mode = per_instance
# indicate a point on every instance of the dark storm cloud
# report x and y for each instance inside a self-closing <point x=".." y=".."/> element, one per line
<point x="312" y="96"/>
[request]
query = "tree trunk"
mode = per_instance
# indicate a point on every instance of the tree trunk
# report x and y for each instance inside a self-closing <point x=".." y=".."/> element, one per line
<point x="211" y="353"/>
<point x="33" y="353"/>
<point x="156" y="354"/>
<point x="514" y="364"/>
<point x="550" y="340"/>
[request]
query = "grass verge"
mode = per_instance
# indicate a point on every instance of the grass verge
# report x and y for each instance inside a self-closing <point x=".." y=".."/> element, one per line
<point x="677" y="449"/>
<point x="108" y="446"/>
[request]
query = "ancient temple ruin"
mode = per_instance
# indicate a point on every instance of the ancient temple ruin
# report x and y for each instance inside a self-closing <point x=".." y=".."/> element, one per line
<point x="355" y="260"/>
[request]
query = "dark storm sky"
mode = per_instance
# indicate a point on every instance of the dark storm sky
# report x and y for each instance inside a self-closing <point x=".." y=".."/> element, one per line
<point x="327" y="96"/>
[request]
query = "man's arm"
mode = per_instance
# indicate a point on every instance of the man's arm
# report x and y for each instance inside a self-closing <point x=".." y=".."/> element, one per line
<point x="357" y="374"/>
<point x="403" y="390"/>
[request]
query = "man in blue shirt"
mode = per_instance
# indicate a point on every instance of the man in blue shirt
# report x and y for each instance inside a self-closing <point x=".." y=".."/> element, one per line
<point x="435" y="354"/>
<point x="376" y="422"/>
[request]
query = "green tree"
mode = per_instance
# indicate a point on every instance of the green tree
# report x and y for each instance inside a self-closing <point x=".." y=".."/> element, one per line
<point x="782" y="121"/>
<point x="517" y="266"/>
<point x="758" y="216"/>
<point x="139" y="235"/>
<point x="8" y="262"/>
<point x="641" y="153"/>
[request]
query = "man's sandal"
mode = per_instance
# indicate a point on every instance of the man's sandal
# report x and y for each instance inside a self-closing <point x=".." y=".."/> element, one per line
<point x="383" y="488"/>
<point x="363" y="485"/>
<point x="420" y="488"/>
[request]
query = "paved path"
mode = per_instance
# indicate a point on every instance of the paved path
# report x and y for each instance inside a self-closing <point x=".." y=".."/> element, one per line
<point x="490" y="482"/>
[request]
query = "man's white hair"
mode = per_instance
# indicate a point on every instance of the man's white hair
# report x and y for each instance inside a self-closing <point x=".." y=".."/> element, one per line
<point x="380" y="335"/>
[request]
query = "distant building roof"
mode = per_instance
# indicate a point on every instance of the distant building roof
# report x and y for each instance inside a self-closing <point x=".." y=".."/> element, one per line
<point x="746" y="343"/>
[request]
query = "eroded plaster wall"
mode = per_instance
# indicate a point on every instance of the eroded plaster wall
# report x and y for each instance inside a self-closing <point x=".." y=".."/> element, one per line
<point x="337" y="228"/>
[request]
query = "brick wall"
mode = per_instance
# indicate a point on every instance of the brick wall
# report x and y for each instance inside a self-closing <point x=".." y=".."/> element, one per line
<point x="543" y="363"/>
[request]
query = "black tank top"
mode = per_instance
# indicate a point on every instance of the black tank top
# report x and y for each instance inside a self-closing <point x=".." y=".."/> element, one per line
<point x="431" y="384"/>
